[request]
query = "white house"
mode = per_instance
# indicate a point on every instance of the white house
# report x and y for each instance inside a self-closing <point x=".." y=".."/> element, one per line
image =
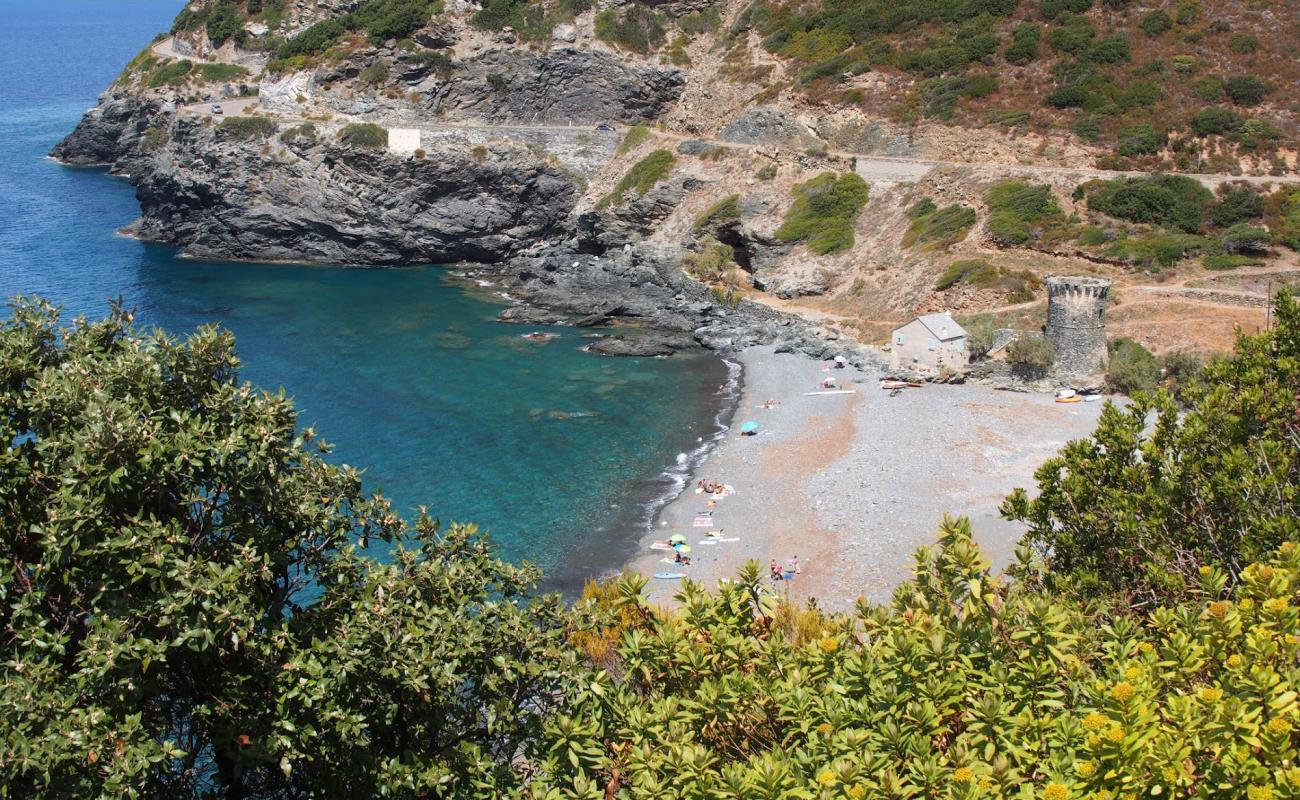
<point x="929" y="343"/>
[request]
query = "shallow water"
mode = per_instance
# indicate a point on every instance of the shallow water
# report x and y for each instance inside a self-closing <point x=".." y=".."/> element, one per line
<point x="555" y="451"/>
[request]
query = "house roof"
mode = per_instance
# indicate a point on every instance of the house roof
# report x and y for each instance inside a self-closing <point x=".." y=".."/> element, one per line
<point x="943" y="326"/>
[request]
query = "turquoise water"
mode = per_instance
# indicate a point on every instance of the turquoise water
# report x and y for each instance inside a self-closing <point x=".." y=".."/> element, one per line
<point x="555" y="451"/>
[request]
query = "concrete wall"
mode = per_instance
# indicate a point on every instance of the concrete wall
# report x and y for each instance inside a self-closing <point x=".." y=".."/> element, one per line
<point x="403" y="141"/>
<point x="913" y="346"/>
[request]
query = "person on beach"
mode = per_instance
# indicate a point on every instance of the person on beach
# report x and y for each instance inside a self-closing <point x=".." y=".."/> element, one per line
<point x="775" y="570"/>
<point x="791" y="568"/>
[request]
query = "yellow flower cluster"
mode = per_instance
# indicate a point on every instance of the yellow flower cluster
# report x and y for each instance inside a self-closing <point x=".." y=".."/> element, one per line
<point x="1086" y="769"/>
<point x="1259" y="793"/>
<point x="829" y="645"/>
<point x="1246" y="604"/>
<point x="1123" y="691"/>
<point x="825" y="729"/>
<point x="1276" y="605"/>
<point x="1094" y="721"/>
<point x="963" y="774"/>
<point x="1056" y="791"/>
<point x="1132" y="673"/>
<point x="1234" y="661"/>
<point x="1278" y="726"/>
<point x="1115" y="734"/>
<point x="857" y="792"/>
<point x="1211" y="694"/>
<point x="826" y="778"/>
<point x="1218" y="609"/>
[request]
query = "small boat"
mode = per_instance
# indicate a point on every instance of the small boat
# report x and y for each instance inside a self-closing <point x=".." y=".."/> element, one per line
<point x="1091" y="398"/>
<point x="890" y="384"/>
<point x="914" y="384"/>
<point x="669" y="576"/>
<point x="1071" y="399"/>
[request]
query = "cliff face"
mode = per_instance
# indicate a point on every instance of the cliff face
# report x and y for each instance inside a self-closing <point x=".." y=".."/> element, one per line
<point x="320" y="200"/>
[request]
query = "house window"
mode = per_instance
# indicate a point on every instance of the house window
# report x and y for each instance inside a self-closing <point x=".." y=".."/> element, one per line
<point x="898" y="338"/>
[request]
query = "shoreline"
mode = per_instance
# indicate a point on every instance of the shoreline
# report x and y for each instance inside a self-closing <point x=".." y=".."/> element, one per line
<point x="852" y="484"/>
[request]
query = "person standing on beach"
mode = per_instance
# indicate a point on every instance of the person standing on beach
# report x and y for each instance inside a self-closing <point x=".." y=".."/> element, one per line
<point x="792" y="568"/>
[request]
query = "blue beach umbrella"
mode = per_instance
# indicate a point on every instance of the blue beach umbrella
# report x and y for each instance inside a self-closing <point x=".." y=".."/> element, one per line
<point x="749" y="427"/>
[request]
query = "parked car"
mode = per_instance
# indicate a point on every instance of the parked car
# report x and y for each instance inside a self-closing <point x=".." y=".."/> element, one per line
<point x="604" y="126"/>
<point x="217" y="109"/>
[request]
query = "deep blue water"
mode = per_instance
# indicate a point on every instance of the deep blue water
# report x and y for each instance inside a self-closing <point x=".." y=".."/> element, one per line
<point x="553" y="450"/>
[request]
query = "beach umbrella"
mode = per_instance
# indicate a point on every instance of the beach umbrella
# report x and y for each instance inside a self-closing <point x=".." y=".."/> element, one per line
<point x="749" y="427"/>
<point x="683" y="548"/>
<point x="839" y="359"/>
<point x="677" y="538"/>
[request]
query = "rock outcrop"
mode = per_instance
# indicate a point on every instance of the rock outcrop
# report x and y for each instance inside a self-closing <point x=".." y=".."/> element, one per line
<point x="561" y="86"/>
<point x="318" y="200"/>
<point x="112" y="130"/>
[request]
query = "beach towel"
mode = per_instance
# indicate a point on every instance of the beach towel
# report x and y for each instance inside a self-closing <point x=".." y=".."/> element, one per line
<point x="703" y="522"/>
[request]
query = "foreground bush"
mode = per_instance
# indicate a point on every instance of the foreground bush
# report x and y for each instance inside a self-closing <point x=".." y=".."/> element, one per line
<point x="248" y="127"/>
<point x="1158" y="492"/>
<point x="183" y="611"/>
<point x="964" y="686"/>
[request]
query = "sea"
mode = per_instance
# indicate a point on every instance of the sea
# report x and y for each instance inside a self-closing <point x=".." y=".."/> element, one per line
<point x="563" y="456"/>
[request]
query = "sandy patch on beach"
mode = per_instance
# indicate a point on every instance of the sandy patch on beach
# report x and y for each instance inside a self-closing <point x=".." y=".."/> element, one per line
<point x="852" y="484"/>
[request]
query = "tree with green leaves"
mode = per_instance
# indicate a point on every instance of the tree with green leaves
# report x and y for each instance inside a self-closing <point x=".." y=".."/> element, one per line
<point x="1157" y="492"/>
<point x="186" y="609"/>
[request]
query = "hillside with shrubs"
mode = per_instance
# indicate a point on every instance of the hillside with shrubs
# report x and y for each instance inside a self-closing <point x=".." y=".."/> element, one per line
<point x="187" y="611"/>
<point x="997" y="142"/>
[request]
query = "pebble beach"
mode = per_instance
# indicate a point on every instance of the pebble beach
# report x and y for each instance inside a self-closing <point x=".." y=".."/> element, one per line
<point x="851" y="484"/>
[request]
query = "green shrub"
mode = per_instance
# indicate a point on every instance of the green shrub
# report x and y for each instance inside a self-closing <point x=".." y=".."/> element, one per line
<point x="642" y="177"/>
<point x="1155" y="23"/>
<point x="220" y="73"/>
<point x="394" y="19"/>
<point x="724" y="210"/>
<point x="766" y="172"/>
<point x="174" y="73"/>
<point x="1209" y="89"/>
<point x="1132" y="367"/>
<point x="1243" y="44"/>
<point x="1020" y="212"/>
<point x="1220" y="262"/>
<point x="1282" y="213"/>
<point x="1246" y="90"/>
<point x="1113" y="49"/>
<point x="1185" y="65"/>
<point x="1024" y="43"/>
<point x="981" y="332"/>
<point x="154" y="139"/>
<point x="1214" y="120"/>
<point x="1236" y="204"/>
<point x="634" y="27"/>
<point x="225" y="23"/>
<point x="1074" y="37"/>
<point x="1051" y="9"/>
<point x="1088" y="129"/>
<point x="704" y="21"/>
<point x="1181" y="370"/>
<point x="1019" y="285"/>
<point x="713" y="260"/>
<point x="304" y="133"/>
<point x="1030" y="355"/>
<point x="1244" y="238"/>
<point x="1175" y="201"/>
<point x="315" y="38"/>
<point x="939" y="96"/>
<point x="1139" y="140"/>
<point x="248" y="127"/>
<point x="939" y="228"/>
<point x="824" y="211"/>
<point x="1253" y="133"/>
<point x="1071" y="95"/>
<point x="376" y="73"/>
<point x="634" y="138"/>
<point x="365" y="135"/>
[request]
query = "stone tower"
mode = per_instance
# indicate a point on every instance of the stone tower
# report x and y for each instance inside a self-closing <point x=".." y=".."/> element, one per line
<point x="1076" y="325"/>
